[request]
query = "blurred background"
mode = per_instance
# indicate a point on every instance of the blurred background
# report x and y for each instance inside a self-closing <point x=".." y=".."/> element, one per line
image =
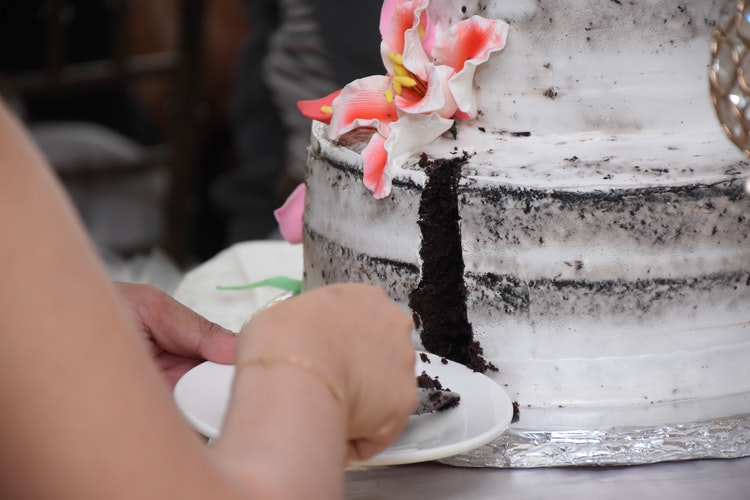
<point x="132" y="117"/>
<point x="172" y="123"/>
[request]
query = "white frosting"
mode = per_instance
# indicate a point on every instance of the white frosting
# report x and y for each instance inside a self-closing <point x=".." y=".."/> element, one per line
<point x="366" y="224"/>
<point x="609" y="66"/>
<point x="627" y="108"/>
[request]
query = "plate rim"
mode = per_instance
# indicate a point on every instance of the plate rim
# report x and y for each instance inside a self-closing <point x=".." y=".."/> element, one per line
<point x="498" y="400"/>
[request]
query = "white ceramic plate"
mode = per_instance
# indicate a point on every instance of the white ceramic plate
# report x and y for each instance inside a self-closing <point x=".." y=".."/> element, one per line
<point x="484" y="413"/>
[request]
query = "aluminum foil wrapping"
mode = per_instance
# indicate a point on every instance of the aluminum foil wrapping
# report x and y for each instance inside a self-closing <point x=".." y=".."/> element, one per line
<point x="717" y="438"/>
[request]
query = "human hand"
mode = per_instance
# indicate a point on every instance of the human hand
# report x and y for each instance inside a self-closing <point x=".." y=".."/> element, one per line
<point x="359" y="339"/>
<point x="178" y="337"/>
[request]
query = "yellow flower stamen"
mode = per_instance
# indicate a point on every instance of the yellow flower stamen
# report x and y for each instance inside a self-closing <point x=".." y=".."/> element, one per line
<point x="403" y="78"/>
<point x="388" y="96"/>
<point x="326" y="110"/>
<point x="400" y="70"/>
<point x="405" y="81"/>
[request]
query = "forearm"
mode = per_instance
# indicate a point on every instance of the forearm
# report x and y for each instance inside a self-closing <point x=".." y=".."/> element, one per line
<point x="87" y="414"/>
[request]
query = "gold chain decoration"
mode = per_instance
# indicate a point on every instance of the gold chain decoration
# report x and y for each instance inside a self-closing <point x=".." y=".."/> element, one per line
<point x="729" y="75"/>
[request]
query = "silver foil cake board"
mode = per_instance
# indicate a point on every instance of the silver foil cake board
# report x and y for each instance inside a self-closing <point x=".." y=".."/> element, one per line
<point x="528" y="444"/>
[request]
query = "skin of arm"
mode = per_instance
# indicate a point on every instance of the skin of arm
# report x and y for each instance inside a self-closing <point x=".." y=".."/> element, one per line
<point x="86" y="414"/>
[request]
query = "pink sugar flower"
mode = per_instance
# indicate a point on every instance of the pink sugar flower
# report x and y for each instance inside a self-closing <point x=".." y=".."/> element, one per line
<point x="289" y="215"/>
<point x="429" y="84"/>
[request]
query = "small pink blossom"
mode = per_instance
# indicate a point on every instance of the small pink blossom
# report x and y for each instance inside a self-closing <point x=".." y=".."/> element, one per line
<point x="289" y="215"/>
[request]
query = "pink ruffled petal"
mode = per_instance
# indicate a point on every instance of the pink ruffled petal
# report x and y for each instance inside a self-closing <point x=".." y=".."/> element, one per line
<point x="317" y="109"/>
<point x="405" y="23"/>
<point x="387" y="11"/>
<point x="415" y="57"/>
<point x="374" y="160"/>
<point x="395" y="22"/>
<point x="428" y="32"/>
<point x="438" y="97"/>
<point x="463" y="47"/>
<point x="362" y="103"/>
<point x="289" y="215"/>
<point x="473" y="39"/>
<point x="461" y="86"/>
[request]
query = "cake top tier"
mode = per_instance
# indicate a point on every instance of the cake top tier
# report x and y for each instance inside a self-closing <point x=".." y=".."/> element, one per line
<point x="578" y="95"/>
<point x="604" y="65"/>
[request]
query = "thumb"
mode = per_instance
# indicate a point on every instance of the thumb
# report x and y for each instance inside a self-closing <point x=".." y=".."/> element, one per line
<point x="215" y="343"/>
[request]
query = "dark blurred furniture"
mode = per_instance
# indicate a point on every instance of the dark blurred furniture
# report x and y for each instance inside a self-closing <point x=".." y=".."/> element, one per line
<point x="80" y="149"/>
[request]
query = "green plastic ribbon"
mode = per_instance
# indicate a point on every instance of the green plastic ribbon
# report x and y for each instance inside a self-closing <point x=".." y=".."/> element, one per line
<point x="283" y="282"/>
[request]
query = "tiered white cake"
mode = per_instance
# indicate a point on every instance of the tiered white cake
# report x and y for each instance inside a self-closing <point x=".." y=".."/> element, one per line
<point x="604" y="227"/>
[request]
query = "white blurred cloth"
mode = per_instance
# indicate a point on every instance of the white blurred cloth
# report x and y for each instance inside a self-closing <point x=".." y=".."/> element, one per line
<point x="240" y="264"/>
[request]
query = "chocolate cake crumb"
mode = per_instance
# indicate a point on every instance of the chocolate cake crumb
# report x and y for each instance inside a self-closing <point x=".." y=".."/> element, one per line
<point x="439" y="401"/>
<point x="443" y="402"/>
<point x="427" y="382"/>
<point x="516" y="413"/>
<point x="424" y="357"/>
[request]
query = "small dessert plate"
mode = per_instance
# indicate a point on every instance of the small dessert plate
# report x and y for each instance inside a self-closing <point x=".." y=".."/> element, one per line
<point x="484" y="413"/>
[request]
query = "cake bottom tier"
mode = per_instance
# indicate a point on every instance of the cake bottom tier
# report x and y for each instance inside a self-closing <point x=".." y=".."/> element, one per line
<point x="593" y="411"/>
